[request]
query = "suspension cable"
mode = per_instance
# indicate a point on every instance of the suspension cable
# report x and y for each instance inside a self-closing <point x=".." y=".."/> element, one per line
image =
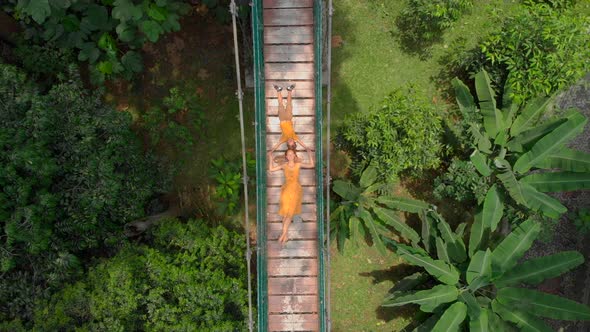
<point x="328" y="178"/>
<point x="240" y="94"/>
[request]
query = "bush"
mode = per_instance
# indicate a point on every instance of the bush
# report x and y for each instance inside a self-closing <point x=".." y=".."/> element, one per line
<point x="227" y="175"/>
<point x="422" y="22"/>
<point x="191" y="277"/>
<point x="107" y="34"/>
<point x="461" y="182"/>
<point x="401" y="134"/>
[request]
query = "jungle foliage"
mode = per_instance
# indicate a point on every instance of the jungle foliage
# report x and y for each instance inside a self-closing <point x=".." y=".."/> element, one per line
<point x="72" y="173"/>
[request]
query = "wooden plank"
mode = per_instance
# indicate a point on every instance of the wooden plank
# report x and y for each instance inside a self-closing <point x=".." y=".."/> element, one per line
<point x="304" y="89"/>
<point x="289" y="16"/>
<point x="288" y="35"/>
<point x="307" y="139"/>
<point x="293" y="322"/>
<point x="292" y="248"/>
<point x="297" y="103"/>
<point x="288" y="75"/>
<point x="273" y="195"/>
<point x="301" y="124"/>
<point x="287" y="3"/>
<point x="290" y="67"/>
<point x="279" y="181"/>
<point x="285" y="53"/>
<point x="284" y="267"/>
<point x="297" y="230"/>
<point x="292" y="304"/>
<point x="274" y="218"/>
<point x="293" y="286"/>
<point x="305" y="208"/>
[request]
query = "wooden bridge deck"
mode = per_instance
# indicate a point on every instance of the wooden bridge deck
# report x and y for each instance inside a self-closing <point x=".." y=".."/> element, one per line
<point x="293" y="302"/>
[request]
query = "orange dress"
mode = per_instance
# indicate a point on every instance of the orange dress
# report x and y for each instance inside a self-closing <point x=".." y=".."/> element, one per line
<point x="291" y="192"/>
<point x="288" y="131"/>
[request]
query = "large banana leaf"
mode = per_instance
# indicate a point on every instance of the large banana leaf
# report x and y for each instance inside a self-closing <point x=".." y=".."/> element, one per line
<point x="542" y="304"/>
<point x="442" y="251"/>
<point x="479" y="270"/>
<point x="492" y="118"/>
<point x="523" y="320"/>
<point x="346" y="190"/>
<point x="536" y="270"/>
<point x="428" y="300"/>
<point x="408" y="283"/>
<point x="442" y="271"/>
<point x="567" y="160"/>
<point x="452" y="318"/>
<point x="480" y="323"/>
<point x="511" y="249"/>
<point x="389" y="218"/>
<point x="455" y="245"/>
<point x="479" y="232"/>
<point x="551" y="143"/>
<point x="369" y="176"/>
<point x="428" y="324"/>
<point x="480" y="162"/>
<point x="509" y="107"/>
<point x="528" y="138"/>
<point x="403" y="204"/>
<point x="428" y="231"/>
<point x="496" y="323"/>
<point x="375" y="229"/>
<point x="538" y="201"/>
<point x="493" y="208"/>
<point x="558" y="181"/>
<point x="529" y="115"/>
<point x="473" y="308"/>
<point x="356" y="230"/>
<point x="464" y="98"/>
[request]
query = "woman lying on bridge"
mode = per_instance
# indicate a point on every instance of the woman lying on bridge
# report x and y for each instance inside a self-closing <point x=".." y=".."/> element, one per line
<point x="291" y="191"/>
<point x="286" y="119"/>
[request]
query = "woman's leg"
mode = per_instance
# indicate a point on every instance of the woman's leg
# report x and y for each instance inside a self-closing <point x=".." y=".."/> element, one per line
<point x="289" y="104"/>
<point x="284" y="114"/>
<point x="286" y="222"/>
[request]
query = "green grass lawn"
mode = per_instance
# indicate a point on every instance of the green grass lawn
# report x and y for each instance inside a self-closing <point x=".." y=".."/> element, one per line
<point x="367" y="65"/>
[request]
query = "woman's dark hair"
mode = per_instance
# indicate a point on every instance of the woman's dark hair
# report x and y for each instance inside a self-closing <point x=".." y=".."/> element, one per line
<point x="293" y="146"/>
<point x="289" y="148"/>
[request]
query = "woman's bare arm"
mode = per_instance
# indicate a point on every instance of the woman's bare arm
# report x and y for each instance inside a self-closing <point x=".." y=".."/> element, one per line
<point x="310" y="163"/>
<point x="271" y="164"/>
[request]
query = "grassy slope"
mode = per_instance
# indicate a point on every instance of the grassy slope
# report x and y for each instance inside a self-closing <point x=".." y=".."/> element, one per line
<point x="368" y="65"/>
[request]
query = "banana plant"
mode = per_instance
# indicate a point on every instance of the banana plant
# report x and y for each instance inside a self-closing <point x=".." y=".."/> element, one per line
<point x="523" y="158"/>
<point x="482" y="291"/>
<point x="365" y="213"/>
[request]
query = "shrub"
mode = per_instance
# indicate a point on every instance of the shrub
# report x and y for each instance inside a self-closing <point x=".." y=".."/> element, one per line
<point x="228" y="181"/>
<point x="423" y="21"/>
<point x="461" y="182"/>
<point x="191" y="277"/>
<point x="107" y="34"/>
<point x="401" y="134"/>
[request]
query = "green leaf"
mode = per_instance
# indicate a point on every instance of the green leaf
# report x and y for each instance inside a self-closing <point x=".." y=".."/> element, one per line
<point x="97" y="16"/>
<point x="531" y="112"/>
<point x="125" y="10"/>
<point x="479" y="232"/>
<point x="403" y="204"/>
<point x="125" y="32"/>
<point x="442" y="271"/>
<point x="105" y="67"/>
<point x="473" y="308"/>
<point x="441" y="250"/>
<point x="524" y="321"/>
<point x="510" y="183"/>
<point x="558" y="181"/>
<point x="479" y="270"/>
<point x="536" y="270"/>
<point x="480" y="323"/>
<point x="38" y="9"/>
<point x="493" y="209"/>
<point x="428" y="300"/>
<point x="531" y="136"/>
<point x="460" y="230"/>
<point x="107" y="43"/>
<point x="151" y="29"/>
<point x="455" y="246"/>
<point x="452" y="318"/>
<point x="157" y="13"/>
<point x="355" y="227"/>
<point x="567" y="160"/>
<point x="540" y="202"/>
<point x="389" y="218"/>
<point x="542" y="304"/>
<point x="375" y="229"/>
<point x="551" y="143"/>
<point x="369" y="176"/>
<point x="346" y="190"/>
<point x="428" y="231"/>
<point x="481" y="163"/>
<point x="464" y="98"/>
<point x="132" y="61"/>
<point x="89" y="52"/>
<point x="492" y="118"/>
<point x="428" y="324"/>
<point x="511" y="249"/>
